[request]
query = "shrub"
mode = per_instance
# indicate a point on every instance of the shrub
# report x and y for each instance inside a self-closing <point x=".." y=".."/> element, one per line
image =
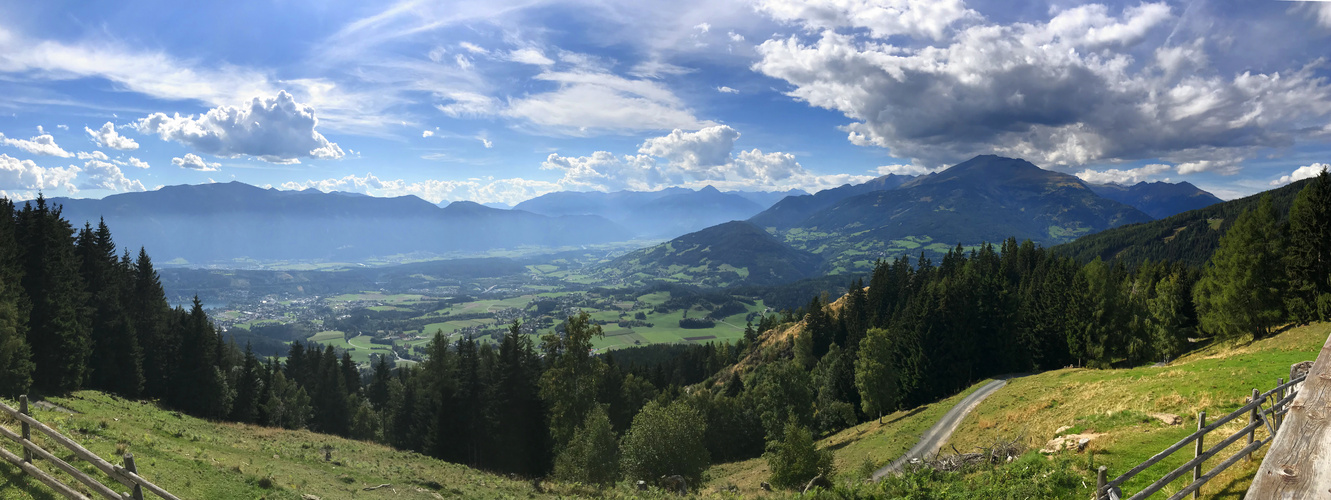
<point x="796" y="459"/>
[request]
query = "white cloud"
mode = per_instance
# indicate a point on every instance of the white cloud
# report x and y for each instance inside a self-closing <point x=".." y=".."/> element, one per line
<point x="656" y="68"/>
<point x="18" y="174"/>
<point x="906" y="170"/>
<point x="735" y="37"/>
<point x="427" y="133"/>
<point x="590" y="103"/>
<point x="726" y="90"/>
<point x="103" y="175"/>
<point x="107" y="137"/>
<point x="162" y="76"/>
<point x="883" y="18"/>
<point x="277" y="129"/>
<point x="703" y="27"/>
<point x="1126" y="177"/>
<point x="691" y="159"/>
<point x="488" y="144"/>
<point x="41" y="145"/>
<point x="62" y="127"/>
<point x="137" y="163"/>
<point x="194" y="162"/>
<point x="463" y="62"/>
<point x="1066" y="92"/>
<point x="530" y="56"/>
<point x="473" y="48"/>
<point x="95" y="155"/>
<point x="699" y="153"/>
<point x="508" y="191"/>
<point x="1304" y="172"/>
<point x="467" y="104"/>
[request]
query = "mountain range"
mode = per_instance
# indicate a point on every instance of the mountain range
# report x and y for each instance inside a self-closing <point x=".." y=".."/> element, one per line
<point x="657" y="214"/>
<point x="233" y="222"/>
<point x="730" y="253"/>
<point x="1157" y="199"/>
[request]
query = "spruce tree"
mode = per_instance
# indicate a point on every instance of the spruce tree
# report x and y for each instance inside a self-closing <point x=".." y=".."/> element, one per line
<point x="1241" y="289"/>
<point x="15" y="357"/>
<point x="117" y="365"/>
<point x="152" y="319"/>
<point x="1308" y="255"/>
<point x="58" y="331"/>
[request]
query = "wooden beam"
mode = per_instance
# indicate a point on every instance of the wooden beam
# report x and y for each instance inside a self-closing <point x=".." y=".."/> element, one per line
<point x="42" y="476"/>
<point x="1298" y="464"/>
<point x="89" y="481"/>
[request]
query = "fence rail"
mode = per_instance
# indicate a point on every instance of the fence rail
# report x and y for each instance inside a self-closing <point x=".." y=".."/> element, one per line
<point x="1258" y="417"/>
<point x="126" y="475"/>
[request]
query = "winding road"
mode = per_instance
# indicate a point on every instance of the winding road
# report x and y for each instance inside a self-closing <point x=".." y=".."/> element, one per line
<point x="941" y="431"/>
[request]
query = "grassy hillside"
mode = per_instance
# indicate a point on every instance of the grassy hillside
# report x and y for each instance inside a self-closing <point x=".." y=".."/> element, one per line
<point x="195" y="458"/>
<point x="1118" y="403"/>
<point x="727" y="254"/>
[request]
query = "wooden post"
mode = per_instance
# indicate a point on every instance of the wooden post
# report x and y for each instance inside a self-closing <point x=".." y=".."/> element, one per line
<point x="1197" y="472"/>
<point x="1252" y="417"/>
<point x="1101" y="483"/>
<point x="1280" y="394"/>
<point x="129" y="466"/>
<point x="27" y="431"/>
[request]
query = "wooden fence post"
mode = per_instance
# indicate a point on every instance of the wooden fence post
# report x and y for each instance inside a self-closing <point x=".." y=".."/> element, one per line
<point x="1280" y="394"/>
<point x="129" y="466"/>
<point x="1101" y="483"/>
<point x="27" y="431"/>
<point x="1252" y="417"/>
<point x="1197" y="472"/>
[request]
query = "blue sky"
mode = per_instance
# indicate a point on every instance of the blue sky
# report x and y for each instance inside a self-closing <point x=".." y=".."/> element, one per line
<point x="498" y="101"/>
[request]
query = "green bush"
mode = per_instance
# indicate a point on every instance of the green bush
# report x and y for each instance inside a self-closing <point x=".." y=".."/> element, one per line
<point x="665" y="441"/>
<point x="796" y="459"/>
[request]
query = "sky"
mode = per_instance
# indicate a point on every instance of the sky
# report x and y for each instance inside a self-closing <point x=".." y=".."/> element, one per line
<point x="500" y="101"/>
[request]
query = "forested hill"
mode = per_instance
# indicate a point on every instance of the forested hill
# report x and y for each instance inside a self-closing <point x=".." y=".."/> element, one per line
<point x="735" y="252"/>
<point x="792" y="210"/>
<point x="1190" y="237"/>
<point x="666" y="213"/>
<point x="227" y="222"/>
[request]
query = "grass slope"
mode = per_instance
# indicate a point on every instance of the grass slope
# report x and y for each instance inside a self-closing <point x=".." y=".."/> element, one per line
<point x="1217" y="379"/>
<point x="194" y="458"/>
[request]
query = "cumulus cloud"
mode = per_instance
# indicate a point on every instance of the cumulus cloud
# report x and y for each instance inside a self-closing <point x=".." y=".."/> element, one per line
<point x="735" y="37"/>
<point x="691" y="159"/>
<point x="1301" y="173"/>
<point x="94" y="155"/>
<point x="882" y="18"/>
<point x="427" y="133"/>
<point x="107" y="137"/>
<point x="593" y="102"/>
<point x="486" y="142"/>
<point x="194" y="162"/>
<point x="1125" y="176"/>
<point x="43" y="144"/>
<point x="103" y="175"/>
<point x="276" y="129"/>
<point x="137" y="163"/>
<point x="18" y="174"/>
<point x="726" y="90"/>
<point x="1065" y="92"/>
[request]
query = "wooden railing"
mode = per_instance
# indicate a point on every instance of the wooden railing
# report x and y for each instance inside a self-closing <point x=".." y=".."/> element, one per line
<point x="1270" y="418"/>
<point x="126" y="475"/>
<point x="1298" y="465"/>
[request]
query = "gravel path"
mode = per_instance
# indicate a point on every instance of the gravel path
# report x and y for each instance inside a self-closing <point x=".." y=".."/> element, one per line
<point x="934" y="438"/>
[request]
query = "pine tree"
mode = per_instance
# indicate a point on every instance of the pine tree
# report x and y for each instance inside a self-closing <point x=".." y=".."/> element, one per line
<point x="1240" y="292"/>
<point x="570" y="385"/>
<point x="117" y="363"/>
<point x="1308" y="256"/>
<point x="875" y="374"/>
<point x="248" y="385"/>
<point x="151" y="316"/>
<point x="592" y="457"/>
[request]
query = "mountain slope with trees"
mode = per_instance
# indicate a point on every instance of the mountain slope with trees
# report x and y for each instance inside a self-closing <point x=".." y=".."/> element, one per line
<point x="1190" y="237"/>
<point x="792" y="210"/>
<point x="657" y="214"/>
<point x="732" y="253"/>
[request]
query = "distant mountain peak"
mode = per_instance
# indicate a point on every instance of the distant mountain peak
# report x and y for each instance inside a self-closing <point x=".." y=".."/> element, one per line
<point x="709" y="189"/>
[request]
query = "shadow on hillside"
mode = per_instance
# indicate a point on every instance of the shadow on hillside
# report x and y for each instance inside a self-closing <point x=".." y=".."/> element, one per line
<point x="13" y="477"/>
<point x="908" y="414"/>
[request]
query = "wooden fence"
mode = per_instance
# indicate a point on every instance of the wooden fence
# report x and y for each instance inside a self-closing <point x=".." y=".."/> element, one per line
<point x="1298" y="465"/>
<point x="1258" y="417"/>
<point x="126" y="475"/>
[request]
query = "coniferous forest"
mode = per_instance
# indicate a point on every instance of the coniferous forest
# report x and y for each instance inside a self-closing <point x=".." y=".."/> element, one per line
<point x="76" y="313"/>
